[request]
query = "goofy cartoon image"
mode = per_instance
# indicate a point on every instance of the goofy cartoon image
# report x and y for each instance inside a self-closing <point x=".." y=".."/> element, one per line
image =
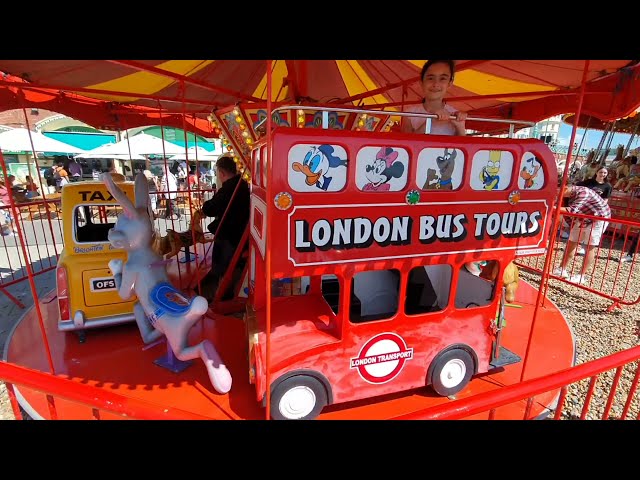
<point x="316" y="165"/>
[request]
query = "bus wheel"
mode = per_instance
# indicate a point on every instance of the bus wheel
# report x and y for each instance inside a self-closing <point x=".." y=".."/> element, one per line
<point x="300" y="397"/>
<point x="451" y="372"/>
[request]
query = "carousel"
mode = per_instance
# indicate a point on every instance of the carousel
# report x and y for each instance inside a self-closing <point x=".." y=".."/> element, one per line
<point x="129" y="323"/>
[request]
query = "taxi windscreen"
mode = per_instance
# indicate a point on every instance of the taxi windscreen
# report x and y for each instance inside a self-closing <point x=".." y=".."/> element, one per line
<point x="93" y="222"/>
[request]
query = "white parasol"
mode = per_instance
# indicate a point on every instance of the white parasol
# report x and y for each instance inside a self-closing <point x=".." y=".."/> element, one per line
<point x="196" y="153"/>
<point x="19" y="140"/>
<point x="141" y="144"/>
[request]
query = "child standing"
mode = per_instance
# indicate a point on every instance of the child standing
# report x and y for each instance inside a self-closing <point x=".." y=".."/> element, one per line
<point x="436" y="77"/>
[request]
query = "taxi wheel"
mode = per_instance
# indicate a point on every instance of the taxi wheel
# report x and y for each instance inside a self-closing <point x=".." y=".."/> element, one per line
<point x="451" y="372"/>
<point x="300" y="397"/>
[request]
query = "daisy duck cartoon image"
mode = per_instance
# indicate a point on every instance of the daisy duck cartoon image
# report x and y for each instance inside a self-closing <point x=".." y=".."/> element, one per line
<point x="317" y="166"/>
<point x="382" y="169"/>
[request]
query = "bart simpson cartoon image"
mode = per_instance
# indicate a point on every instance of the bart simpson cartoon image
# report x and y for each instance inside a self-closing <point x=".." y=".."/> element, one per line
<point x="489" y="175"/>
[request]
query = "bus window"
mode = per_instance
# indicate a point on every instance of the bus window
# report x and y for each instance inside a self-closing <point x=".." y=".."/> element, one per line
<point x="286" y="287"/>
<point x="329" y="287"/>
<point x="257" y="167"/>
<point x="374" y="295"/>
<point x="531" y="173"/>
<point x="428" y="289"/>
<point x="473" y="289"/>
<point x="381" y="169"/>
<point x="317" y="168"/>
<point x="331" y="291"/>
<point x="440" y="169"/>
<point x="263" y="160"/>
<point x="491" y="170"/>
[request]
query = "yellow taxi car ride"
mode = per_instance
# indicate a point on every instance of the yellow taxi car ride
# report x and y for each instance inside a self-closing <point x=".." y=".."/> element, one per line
<point x="86" y="288"/>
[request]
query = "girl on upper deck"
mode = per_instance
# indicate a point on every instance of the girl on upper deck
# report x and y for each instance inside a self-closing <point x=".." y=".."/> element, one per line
<point x="437" y="77"/>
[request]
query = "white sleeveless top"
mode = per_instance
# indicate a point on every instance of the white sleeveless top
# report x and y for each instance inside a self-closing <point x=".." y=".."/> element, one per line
<point x="438" y="127"/>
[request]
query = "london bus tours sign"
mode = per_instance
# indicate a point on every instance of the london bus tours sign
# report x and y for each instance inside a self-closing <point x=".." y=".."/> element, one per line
<point x="322" y="234"/>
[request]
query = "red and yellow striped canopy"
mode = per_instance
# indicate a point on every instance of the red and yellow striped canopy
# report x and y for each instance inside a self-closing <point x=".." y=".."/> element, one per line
<point x="518" y="89"/>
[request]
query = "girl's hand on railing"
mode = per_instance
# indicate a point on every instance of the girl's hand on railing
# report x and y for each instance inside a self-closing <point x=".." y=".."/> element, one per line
<point x="461" y="116"/>
<point x="442" y="114"/>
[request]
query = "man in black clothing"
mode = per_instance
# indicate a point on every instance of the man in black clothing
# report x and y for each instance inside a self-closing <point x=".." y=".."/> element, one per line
<point x="229" y="232"/>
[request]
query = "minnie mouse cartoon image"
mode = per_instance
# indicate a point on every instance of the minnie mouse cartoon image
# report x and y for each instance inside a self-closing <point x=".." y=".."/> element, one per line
<point x="383" y="169"/>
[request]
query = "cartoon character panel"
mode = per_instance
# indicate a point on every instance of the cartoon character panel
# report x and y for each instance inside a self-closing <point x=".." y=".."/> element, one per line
<point x="491" y="170"/>
<point x="335" y="120"/>
<point x="381" y="169"/>
<point x="531" y="175"/>
<point x="366" y="122"/>
<point x="317" y="168"/>
<point x="258" y="118"/>
<point x="440" y="168"/>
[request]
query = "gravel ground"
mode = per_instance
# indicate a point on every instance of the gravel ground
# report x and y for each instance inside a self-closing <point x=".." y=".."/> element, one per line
<point x="598" y="333"/>
<point x="5" y="406"/>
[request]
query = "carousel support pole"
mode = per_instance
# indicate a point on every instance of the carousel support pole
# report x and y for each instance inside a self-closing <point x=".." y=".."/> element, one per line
<point x="635" y="131"/>
<point x="602" y="139"/>
<point x="188" y="258"/>
<point x="554" y="226"/>
<point x="607" y="145"/>
<point x="584" y="135"/>
<point x="267" y="259"/>
<point x="609" y="142"/>
<point x="404" y="99"/>
<point x="22" y="245"/>
<point x="167" y="195"/>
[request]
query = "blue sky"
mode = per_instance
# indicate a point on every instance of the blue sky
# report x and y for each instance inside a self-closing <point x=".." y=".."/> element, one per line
<point x="593" y="137"/>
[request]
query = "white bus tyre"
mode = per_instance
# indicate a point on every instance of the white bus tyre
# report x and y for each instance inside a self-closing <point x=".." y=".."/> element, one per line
<point x="451" y="372"/>
<point x="300" y="397"/>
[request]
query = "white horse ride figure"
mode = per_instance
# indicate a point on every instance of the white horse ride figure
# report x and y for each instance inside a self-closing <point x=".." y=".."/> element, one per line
<point x="161" y="309"/>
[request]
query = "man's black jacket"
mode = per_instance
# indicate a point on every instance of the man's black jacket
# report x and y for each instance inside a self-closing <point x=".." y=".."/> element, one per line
<point x="236" y="219"/>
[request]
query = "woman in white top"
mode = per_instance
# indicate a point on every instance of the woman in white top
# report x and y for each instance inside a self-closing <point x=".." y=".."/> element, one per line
<point x="437" y="77"/>
<point x="169" y="187"/>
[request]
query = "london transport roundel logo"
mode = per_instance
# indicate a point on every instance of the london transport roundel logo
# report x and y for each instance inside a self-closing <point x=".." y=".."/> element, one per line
<point x="382" y="358"/>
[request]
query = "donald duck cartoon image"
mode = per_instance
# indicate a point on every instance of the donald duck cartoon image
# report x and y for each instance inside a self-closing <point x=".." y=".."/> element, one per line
<point x="317" y="165"/>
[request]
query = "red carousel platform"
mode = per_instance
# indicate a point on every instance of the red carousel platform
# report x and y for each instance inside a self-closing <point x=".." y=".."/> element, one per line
<point x="115" y="359"/>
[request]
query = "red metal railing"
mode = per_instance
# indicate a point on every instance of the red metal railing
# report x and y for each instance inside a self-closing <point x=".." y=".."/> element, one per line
<point x="40" y="228"/>
<point x="529" y="389"/>
<point x="608" y="276"/>
<point x="99" y="400"/>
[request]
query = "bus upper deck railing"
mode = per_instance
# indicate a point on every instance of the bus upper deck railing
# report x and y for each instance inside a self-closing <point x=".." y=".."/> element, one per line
<point x="325" y="115"/>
